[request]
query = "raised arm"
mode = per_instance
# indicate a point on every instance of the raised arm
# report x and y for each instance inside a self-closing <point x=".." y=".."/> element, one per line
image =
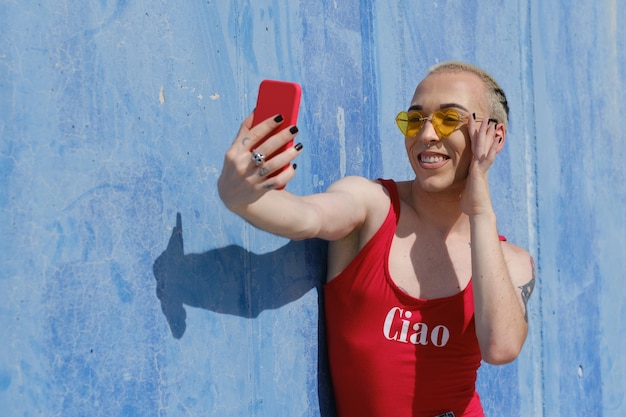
<point x="502" y="273"/>
<point x="251" y="192"/>
<point x="503" y="277"/>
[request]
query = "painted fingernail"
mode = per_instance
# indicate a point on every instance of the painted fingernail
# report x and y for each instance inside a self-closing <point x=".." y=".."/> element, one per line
<point x="474" y="116"/>
<point x="293" y="130"/>
<point x="295" y="166"/>
<point x="500" y="139"/>
<point x="493" y="120"/>
<point x="298" y="146"/>
<point x="278" y="118"/>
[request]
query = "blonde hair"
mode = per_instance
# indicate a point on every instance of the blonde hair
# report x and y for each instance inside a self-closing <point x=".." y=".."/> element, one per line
<point x="496" y="99"/>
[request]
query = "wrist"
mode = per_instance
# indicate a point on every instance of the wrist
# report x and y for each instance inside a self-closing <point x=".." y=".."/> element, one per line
<point x="484" y="217"/>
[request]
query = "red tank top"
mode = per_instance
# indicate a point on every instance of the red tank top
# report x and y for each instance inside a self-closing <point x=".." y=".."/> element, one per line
<point x="392" y="354"/>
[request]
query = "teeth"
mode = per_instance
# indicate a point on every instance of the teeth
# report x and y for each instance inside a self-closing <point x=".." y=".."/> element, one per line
<point x="431" y="159"/>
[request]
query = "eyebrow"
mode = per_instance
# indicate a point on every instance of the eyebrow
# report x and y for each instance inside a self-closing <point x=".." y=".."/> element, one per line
<point x="418" y="107"/>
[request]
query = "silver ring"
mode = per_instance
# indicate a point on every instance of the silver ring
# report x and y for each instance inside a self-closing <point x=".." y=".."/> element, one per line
<point x="258" y="158"/>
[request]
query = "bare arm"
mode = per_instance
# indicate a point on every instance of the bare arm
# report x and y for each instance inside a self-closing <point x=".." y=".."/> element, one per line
<point x="502" y="280"/>
<point x="502" y="286"/>
<point x="249" y="190"/>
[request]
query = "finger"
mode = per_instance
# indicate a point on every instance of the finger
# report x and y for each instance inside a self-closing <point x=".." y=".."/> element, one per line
<point x="257" y="134"/>
<point x="280" y="180"/>
<point x="477" y="133"/>
<point x="484" y="139"/>
<point x="244" y="128"/>
<point x="279" y="162"/>
<point x="278" y="143"/>
<point x="493" y="149"/>
<point x="489" y="143"/>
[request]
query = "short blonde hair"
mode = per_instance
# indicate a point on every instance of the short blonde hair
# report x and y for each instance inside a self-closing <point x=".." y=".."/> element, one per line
<point x="496" y="99"/>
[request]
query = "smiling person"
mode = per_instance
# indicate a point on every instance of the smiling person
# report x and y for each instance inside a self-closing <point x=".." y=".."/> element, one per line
<point x="421" y="287"/>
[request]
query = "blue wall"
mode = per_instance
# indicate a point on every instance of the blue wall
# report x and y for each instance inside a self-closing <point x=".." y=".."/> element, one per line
<point x="128" y="289"/>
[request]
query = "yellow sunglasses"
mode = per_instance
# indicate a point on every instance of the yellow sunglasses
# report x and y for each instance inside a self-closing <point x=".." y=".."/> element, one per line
<point x="444" y="122"/>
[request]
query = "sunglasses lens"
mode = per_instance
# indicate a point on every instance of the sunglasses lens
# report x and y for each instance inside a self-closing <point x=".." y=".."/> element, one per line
<point x="415" y="123"/>
<point x="409" y="123"/>
<point x="446" y="122"/>
<point x="402" y="120"/>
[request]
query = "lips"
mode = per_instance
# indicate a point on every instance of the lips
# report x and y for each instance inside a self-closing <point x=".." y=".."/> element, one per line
<point x="432" y="160"/>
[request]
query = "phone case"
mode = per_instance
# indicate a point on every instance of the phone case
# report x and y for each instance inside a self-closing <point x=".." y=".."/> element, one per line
<point x="277" y="97"/>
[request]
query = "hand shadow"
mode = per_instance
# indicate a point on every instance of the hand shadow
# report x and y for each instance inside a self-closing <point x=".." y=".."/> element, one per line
<point x="232" y="280"/>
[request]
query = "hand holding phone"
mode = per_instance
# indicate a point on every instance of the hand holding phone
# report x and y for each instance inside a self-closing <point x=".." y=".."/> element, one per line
<point x="277" y="97"/>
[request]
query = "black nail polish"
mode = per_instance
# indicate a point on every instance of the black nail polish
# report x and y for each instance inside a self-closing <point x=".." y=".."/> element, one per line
<point x="474" y="116"/>
<point x="500" y="140"/>
<point x="295" y="166"/>
<point x="293" y="130"/>
<point x="298" y="146"/>
<point x="493" y="120"/>
<point x="278" y="118"/>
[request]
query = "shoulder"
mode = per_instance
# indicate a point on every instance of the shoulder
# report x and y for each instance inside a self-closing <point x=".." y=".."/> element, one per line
<point x="513" y="251"/>
<point x="519" y="262"/>
<point x="355" y="184"/>
<point x="369" y="206"/>
<point x="365" y="191"/>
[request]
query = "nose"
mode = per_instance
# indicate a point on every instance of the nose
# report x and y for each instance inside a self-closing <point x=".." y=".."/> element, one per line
<point x="428" y="135"/>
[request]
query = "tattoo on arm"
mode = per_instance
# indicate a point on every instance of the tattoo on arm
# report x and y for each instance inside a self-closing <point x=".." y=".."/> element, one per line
<point x="269" y="186"/>
<point x="244" y="140"/>
<point x="527" y="290"/>
<point x="263" y="171"/>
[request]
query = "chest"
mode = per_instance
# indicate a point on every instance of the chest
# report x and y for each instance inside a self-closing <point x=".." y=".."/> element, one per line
<point x="429" y="268"/>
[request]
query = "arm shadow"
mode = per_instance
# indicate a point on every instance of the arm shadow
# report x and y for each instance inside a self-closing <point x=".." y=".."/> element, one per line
<point x="232" y="280"/>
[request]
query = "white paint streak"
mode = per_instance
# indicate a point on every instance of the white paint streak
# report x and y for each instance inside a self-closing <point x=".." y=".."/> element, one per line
<point x="341" y="128"/>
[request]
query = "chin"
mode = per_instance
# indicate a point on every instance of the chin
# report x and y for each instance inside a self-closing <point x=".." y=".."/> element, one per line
<point x="433" y="185"/>
<point x="438" y="183"/>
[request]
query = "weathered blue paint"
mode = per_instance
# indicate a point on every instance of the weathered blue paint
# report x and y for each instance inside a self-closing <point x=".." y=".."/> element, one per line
<point x="130" y="290"/>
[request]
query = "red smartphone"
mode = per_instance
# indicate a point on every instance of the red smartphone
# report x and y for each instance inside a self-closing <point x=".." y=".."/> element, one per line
<point x="277" y="97"/>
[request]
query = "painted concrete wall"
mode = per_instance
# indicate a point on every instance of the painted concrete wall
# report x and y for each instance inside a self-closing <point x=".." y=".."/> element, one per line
<point x="128" y="289"/>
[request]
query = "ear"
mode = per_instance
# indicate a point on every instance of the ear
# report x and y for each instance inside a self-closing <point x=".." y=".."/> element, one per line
<point x="500" y="136"/>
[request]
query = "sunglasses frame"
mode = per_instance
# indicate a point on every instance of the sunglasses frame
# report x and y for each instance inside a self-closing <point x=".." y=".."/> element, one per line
<point x="463" y="120"/>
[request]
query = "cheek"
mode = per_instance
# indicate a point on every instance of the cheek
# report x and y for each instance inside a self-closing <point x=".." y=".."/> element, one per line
<point x="463" y="145"/>
<point x="464" y="152"/>
<point x="409" y="144"/>
<point x="460" y="149"/>
<point x="412" y="145"/>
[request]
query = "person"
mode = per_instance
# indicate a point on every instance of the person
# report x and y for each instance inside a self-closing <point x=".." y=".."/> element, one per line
<point x="420" y="286"/>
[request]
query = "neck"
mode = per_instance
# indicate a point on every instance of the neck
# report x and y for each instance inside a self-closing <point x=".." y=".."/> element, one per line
<point x="441" y="210"/>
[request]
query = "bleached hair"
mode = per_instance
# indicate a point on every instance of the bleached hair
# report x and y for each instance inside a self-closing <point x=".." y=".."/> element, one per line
<point x="498" y="105"/>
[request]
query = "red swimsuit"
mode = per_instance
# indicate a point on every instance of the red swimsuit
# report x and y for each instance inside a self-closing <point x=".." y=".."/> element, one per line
<point x="392" y="354"/>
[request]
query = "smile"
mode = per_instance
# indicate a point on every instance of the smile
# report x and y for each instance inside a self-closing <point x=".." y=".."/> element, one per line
<point x="431" y="158"/>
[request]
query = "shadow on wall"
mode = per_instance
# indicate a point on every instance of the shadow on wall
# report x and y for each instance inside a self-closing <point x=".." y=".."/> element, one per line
<point x="232" y="280"/>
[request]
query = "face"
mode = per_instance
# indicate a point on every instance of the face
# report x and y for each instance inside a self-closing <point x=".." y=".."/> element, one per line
<point x="441" y="163"/>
